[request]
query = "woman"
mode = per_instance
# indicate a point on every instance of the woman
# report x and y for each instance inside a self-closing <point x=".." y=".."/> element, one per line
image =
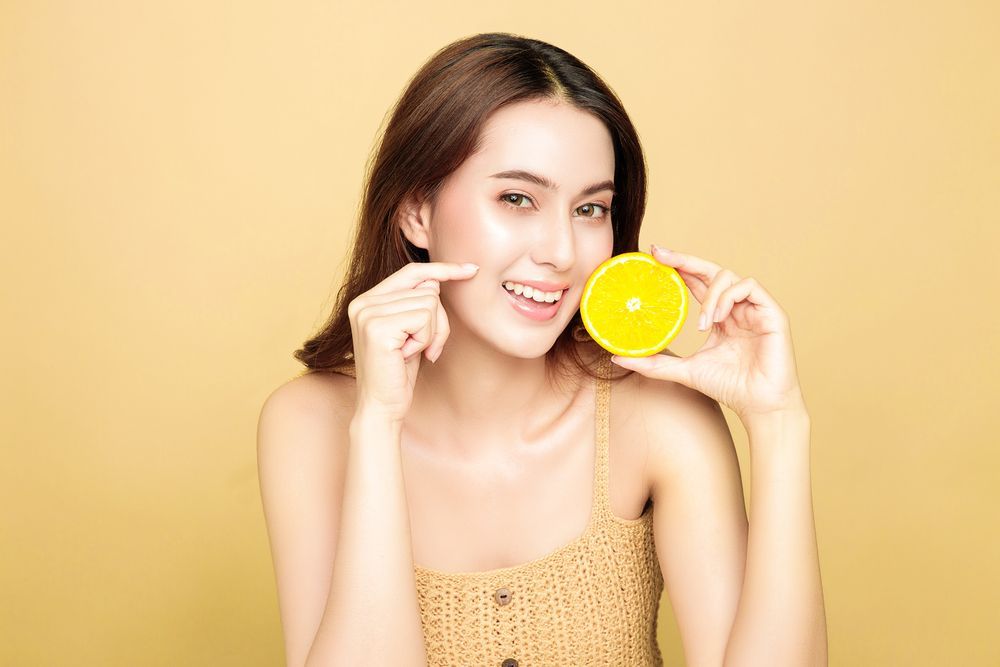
<point x="454" y="480"/>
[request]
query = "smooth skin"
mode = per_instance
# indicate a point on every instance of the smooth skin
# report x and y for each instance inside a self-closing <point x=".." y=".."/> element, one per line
<point x="487" y="356"/>
<point x="748" y="364"/>
<point x="512" y="229"/>
<point x="338" y="497"/>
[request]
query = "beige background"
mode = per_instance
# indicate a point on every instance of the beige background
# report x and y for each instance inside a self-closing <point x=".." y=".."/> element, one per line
<point x="177" y="183"/>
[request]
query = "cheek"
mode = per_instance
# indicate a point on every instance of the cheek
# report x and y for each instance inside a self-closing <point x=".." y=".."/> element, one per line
<point x="472" y="232"/>
<point x="598" y="246"/>
<point x="609" y="239"/>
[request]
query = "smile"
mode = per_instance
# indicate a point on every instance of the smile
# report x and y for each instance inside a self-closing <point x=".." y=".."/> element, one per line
<point x="540" y="311"/>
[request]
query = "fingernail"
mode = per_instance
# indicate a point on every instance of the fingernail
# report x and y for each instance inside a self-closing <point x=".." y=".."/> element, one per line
<point x="469" y="266"/>
<point x="660" y="249"/>
<point x="701" y="321"/>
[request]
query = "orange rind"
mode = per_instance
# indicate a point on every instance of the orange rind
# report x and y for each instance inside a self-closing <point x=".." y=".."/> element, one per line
<point x="634" y="306"/>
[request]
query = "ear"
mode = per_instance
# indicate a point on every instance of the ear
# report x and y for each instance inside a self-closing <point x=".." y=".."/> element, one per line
<point x="413" y="219"/>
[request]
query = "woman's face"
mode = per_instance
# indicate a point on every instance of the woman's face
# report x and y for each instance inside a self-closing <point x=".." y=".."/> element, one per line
<point x="522" y="231"/>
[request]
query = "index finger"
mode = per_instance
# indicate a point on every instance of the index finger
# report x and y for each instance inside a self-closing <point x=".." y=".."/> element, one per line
<point x="415" y="273"/>
<point x="702" y="269"/>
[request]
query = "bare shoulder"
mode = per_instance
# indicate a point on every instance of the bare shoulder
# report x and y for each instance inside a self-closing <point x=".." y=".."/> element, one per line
<point x="303" y="431"/>
<point x="302" y="445"/>
<point x="305" y="420"/>
<point x="700" y="524"/>
<point x="303" y="435"/>
<point x="681" y="425"/>
<point x="306" y="394"/>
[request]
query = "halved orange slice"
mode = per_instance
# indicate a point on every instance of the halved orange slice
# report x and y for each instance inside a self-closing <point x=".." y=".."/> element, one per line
<point x="633" y="305"/>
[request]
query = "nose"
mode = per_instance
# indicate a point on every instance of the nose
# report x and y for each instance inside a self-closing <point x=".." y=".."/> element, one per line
<point x="555" y="244"/>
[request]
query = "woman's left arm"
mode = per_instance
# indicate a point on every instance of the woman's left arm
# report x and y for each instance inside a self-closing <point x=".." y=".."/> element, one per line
<point x="780" y="619"/>
<point x="748" y="364"/>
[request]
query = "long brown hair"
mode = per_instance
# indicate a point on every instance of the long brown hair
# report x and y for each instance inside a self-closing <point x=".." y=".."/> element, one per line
<point x="434" y="126"/>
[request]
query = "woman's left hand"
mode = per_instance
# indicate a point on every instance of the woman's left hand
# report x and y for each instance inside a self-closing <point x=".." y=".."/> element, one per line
<point x="747" y="362"/>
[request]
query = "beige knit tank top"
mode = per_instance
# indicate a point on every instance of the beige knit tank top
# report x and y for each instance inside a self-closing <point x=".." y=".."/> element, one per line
<point x="593" y="601"/>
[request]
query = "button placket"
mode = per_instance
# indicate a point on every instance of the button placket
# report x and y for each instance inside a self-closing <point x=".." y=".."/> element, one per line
<point x="502" y="596"/>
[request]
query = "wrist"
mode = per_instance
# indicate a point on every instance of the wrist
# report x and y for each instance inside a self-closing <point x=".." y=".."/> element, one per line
<point x="791" y="406"/>
<point x="367" y="417"/>
<point x="793" y="424"/>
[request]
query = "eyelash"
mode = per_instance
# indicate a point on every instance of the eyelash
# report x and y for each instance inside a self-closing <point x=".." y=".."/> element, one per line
<point x="606" y="209"/>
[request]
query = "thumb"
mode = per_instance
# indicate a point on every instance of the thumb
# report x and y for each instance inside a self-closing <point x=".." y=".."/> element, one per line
<point x="658" y="366"/>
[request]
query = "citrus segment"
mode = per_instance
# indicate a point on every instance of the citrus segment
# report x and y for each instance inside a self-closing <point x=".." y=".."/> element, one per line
<point x="634" y="306"/>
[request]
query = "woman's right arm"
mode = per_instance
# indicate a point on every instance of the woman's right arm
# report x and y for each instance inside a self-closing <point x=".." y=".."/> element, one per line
<point x="372" y="616"/>
<point x="332" y="484"/>
<point x="338" y="521"/>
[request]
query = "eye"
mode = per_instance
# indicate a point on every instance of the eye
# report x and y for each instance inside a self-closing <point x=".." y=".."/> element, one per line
<point x="604" y="210"/>
<point x="508" y="199"/>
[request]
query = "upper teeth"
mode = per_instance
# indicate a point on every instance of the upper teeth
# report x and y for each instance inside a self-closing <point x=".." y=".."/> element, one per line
<point x="532" y="293"/>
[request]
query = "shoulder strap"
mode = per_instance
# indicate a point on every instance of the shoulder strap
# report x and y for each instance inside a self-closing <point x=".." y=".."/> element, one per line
<point x="602" y="436"/>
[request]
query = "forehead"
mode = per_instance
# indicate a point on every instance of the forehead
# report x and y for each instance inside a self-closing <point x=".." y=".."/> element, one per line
<point x="555" y="139"/>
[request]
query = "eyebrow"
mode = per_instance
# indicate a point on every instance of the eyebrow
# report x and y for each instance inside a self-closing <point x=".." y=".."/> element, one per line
<point x="521" y="175"/>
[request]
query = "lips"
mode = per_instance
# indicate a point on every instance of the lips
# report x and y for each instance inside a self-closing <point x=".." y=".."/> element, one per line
<point x="535" y="310"/>
<point x="528" y="299"/>
<point x="542" y="285"/>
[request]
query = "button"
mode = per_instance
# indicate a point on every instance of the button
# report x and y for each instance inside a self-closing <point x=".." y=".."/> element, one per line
<point x="503" y="597"/>
<point x="509" y="662"/>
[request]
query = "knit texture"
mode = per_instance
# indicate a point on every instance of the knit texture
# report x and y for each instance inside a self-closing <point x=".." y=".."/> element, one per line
<point x="593" y="601"/>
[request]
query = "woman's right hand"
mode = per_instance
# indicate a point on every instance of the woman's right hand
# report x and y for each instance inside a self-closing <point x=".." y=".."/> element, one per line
<point x="391" y="324"/>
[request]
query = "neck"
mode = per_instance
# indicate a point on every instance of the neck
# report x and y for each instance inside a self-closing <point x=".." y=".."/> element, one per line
<point x="476" y="400"/>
